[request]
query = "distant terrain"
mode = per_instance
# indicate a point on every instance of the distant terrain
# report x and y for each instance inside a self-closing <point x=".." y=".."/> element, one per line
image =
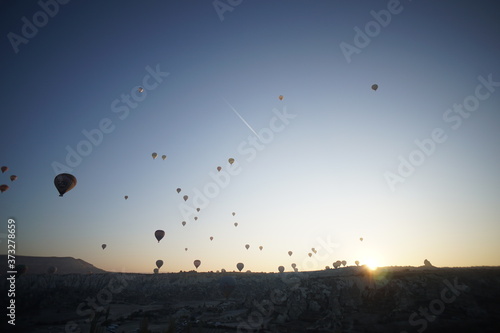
<point x="347" y="299"/>
<point x="41" y="265"/>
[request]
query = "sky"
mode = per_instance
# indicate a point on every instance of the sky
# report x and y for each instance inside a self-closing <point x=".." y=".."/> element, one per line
<point x="412" y="167"/>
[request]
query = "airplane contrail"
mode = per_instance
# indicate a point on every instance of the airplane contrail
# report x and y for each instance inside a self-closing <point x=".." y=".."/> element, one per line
<point x="243" y="120"/>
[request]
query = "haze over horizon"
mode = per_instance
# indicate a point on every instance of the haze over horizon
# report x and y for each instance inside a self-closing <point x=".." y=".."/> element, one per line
<point x="412" y="167"/>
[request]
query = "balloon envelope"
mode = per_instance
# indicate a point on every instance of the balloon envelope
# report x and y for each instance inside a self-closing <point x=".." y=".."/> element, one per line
<point x="231" y="160"/>
<point x="141" y="89"/>
<point x="4" y="188"/>
<point x="227" y="285"/>
<point x="260" y="247"/>
<point x="155" y="270"/>
<point x="159" y="234"/>
<point x="64" y="182"/>
<point x="185" y="197"/>
<point x="290" y="253"/>
<point x="126" y="197"/>
<point x="240" y="266"/>
<point x="197" y="209"/>
<point x="103" y="246"/>
<point x="211" y="238"/>
<point x="163" y="157"/>
<point x="178" y="190"/>
<point x="247" y="246"/>
<point x="183" y="223"/>
<point x="219" y="168"/>
<point x="4" y="168"/>
<point x="361" y="239"/>
<point x="281" y="269"/>
<point x="13" y="177"/>
<point x="310" y="254"/>
<point x="235" y="224"/>
<point x="281" y="97"/>
<point x="159" y="263"/>
<point x="154" y="155"/>
<point x="197" y="263"/>
<point x="375" y="87"/>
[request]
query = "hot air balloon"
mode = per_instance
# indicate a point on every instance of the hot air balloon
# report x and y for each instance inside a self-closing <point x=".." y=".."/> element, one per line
<point x="361" y="239"/>
<point x="281" y="269"/>
<point x="247" y="246"/>
<point x="164" y="157"/>
<point x="310" y="254"/>
<point x="141" y="89"/>
<point x="294" y="265"/>
<point x="227" y="285"/>
<point x="103" y="246"/>
<point x="234" y="213"/>
<point x="281" y="97"/>
<point x="52" y="270"/>
<point x="197" y="209"/>
<point x="4" y="188"/>
<point x="231" y="161"/>
<point x="196" y="218"/>
<point x="374" y="87"/>
<point x="126" y="197"/>
<point x="159" y="263"/>
<point x="13" y="177"/>
<point x="185" y="197"/>
<point x="159" y="234"/>
<point x="155" y="270"/>
<point x="183" y="223"/>
<point x="314" y="250"/>
<point x="290" y="253"/>
<point x="155" y="155"/>
<point x="261" y="247"/>
<point x="197" y="263"/>
<point x="219" y="168"/>
<point x="64" y="182"/>
<point x="240" y="266"/>
<point x="211" y="238"/>
<point x="357" y="262"/>
<point x="4" y="168"/>
<point x="179" y="190"/>
<point x="185" y="249"/>
<point x="235" y="224"/>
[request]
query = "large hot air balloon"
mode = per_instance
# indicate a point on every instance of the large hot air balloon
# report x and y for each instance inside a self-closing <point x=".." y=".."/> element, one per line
<point x="235" y="224"/>
<point x="178" y="190"/>
<point x="64" y="182"/>
<point x="281" y="269"/>
<point x="52" y="270"/>
<point x="290" y="253"/>
<point x="231" y="161"/>
<point x="211" y="238"/>
<point x="247" y="246"/>
<point x="159" y="234"/>
<point x="197" y="263"/>
<point x="219" y="168"/>
<point x="183" y="223"/>
<point x="281" y="97"/>
<point x="261" y="247"/>
<point x="164" y="157"/>
<point x="126" y="197"/>
<point x="13" y="177"/>
<point x="227" y="285"/>
<point x="4" y="188"/>
<point x="155" y="270"/>
<point x="4" y="168"/>
<point x="185" y="197"/>
<point x="374" y="87"/>
<point x="103" y="246"/>
<point x="154" y="155"/>
<point x="141" y="89"/>
<point x="240" y="266"/>
<point x="159" y="263"/>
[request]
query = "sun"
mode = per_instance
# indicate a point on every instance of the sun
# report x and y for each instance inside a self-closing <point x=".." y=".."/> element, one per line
<point x="371" y="264"/>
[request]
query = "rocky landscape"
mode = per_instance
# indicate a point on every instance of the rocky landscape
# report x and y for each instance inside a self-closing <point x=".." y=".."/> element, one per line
<point x="347" y="299"/>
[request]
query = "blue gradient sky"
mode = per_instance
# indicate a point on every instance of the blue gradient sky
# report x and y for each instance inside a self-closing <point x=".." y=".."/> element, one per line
<point x="320" y="181"/>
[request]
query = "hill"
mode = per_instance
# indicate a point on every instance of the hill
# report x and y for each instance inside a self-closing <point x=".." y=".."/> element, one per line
<point x="64" y="265"/>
